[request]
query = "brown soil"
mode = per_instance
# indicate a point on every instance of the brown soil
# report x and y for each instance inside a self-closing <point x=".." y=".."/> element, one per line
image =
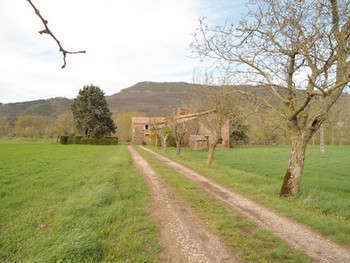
<point x="182" y="234"/>
<point x="169" y="208"/>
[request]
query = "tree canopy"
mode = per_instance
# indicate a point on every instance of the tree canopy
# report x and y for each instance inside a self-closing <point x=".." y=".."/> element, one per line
<point x="91" y="114"/>
<point x="297" y="50"/>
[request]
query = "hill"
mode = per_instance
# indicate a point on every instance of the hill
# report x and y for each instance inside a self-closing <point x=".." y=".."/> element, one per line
<point x="149" y="98"/>
<point x="48" y="108"/>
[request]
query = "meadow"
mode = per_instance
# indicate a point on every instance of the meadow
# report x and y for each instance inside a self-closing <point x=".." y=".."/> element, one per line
<point x="83" y="203"/>
<point x="72" y="203"/>
<point x="257" y="171"/>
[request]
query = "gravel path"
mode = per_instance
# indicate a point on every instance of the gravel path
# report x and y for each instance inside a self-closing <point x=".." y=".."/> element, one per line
<point x="296" y="234"/>
<point x="182" y="234"/>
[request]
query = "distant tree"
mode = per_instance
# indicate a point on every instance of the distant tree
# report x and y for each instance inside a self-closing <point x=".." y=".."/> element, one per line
<point x="64" y="124"/>
<point x="5" y="127"/>
<point x="238" y="132"/>
<point x="299" y="52"/>
<point x="91" y="114"/>
<point x="123" y="121"/>
<point x="177" y="128"/>
<point x="31" y="126"/>
<point x="215" y="106"/>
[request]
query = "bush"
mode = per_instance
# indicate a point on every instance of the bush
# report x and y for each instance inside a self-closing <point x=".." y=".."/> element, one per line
<point x="64" y="139"/>
<point x="91" y="141"/>
<point x="76" y="139"/>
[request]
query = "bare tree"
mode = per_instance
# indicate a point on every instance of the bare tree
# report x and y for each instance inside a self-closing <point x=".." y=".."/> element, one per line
<point x="219" y="103"/>
<point x="49" y="32"/>
<point x="298" y="51"/>
<point x="164" y="135"/>
<point x="157" y="126"/>
<point x="178" y="129"/>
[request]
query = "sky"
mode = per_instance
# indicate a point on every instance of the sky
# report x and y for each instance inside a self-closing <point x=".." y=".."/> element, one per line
<point x="127" y="41"/>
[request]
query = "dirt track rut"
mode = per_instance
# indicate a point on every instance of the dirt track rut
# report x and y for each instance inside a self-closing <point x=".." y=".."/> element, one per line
<point x="296" y="234"/>
<point x="183" y="235"/>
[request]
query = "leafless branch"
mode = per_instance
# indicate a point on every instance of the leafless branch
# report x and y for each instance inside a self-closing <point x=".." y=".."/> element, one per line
<point x="48" y="31"/>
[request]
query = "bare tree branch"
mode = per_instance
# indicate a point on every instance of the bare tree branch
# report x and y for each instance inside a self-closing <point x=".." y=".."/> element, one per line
<point x="300" y="51"/>
<point x="48" y="31"/>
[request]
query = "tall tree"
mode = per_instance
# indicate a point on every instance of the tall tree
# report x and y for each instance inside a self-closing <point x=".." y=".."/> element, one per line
<point x="91" y="114"/>
<point x="298" y="51"/>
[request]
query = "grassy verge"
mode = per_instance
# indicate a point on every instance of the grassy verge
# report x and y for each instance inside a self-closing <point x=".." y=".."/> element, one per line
<point x="75" y="203"/>
<point x="323" y="202"/>
<point x="250" y="242"/>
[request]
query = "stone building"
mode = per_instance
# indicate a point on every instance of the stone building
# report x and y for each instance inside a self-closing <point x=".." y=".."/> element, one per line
<point x="197" y="136"/>
<point x="142" y="126"/>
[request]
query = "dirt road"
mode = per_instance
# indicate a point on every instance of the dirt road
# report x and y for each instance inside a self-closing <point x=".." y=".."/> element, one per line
<point x="296" y="234"/>
<point x="183" y="235"/>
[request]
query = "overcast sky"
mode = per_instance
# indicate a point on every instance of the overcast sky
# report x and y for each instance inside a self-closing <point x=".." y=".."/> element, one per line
<point x="127" y="41"/>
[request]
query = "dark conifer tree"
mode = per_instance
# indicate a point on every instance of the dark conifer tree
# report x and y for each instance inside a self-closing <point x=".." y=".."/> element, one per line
<point x="91" y="114"/>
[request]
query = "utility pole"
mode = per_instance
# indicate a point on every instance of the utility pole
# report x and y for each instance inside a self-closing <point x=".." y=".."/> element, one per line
<point x="322" y="139"/>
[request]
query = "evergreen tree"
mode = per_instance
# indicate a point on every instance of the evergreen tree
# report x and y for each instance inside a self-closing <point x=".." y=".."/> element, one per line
<point x="91" y="114"/>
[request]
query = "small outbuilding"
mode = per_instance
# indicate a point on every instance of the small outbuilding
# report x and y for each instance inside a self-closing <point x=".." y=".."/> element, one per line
<point x="199" y="142"/>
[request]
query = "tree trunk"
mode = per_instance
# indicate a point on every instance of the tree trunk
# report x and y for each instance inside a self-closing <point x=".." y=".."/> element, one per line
<point x="164" y="143"/>
<point x="292" y="178"/>
<point x="87" y="134"/>
<point x="211" y="154"/>
<point x="178" y="148"/>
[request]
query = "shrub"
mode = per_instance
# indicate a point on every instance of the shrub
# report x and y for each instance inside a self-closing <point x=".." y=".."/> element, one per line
<point x="92" y="141"/>
<point x="64" y="139"/>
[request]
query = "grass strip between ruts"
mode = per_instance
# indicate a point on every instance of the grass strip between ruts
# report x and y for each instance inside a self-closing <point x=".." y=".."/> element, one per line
<point x="250" y="242"/>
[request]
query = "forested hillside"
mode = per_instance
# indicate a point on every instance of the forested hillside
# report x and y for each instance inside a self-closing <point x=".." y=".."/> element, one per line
<point x="148" y="98"/>
<point x="52" y="117"/>
<point x="48" y="108"/>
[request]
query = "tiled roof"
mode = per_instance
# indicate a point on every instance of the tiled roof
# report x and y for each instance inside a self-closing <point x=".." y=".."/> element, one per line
<point x="147" y="120"/>
<point x="162" y="120"/>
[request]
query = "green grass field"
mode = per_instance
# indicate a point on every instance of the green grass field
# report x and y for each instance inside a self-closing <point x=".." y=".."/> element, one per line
<point x="81" y="203"/>
<point x="324" y="200"/>
<point x="72" y="203"/>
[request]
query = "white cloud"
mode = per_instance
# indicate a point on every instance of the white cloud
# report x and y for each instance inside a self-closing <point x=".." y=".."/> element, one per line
<point x="126" y="42"/>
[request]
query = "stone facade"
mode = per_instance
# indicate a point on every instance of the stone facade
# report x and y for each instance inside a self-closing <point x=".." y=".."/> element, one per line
<point x="197" y="137"/>
<point x="141" y="128"/>
<point x="198" y="142"/>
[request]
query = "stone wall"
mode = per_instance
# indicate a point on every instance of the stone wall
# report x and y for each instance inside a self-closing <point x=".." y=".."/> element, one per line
<point x="141" y="129"/>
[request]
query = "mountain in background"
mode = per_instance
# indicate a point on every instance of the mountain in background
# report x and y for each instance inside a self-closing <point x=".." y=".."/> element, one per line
<point x="160" y="99"/>
<point x="148" y="98"/>
<point x="151" y="98"/>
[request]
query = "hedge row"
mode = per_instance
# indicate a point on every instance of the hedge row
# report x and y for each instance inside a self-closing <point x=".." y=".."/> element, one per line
<point x="92" y="141"/>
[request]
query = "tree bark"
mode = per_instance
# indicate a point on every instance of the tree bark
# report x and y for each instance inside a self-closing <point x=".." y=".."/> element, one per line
<point x="178" y="147"/>
<point x="164" y="144"/>
<point x="292" y="178"/>
<point x="211" y="154"/>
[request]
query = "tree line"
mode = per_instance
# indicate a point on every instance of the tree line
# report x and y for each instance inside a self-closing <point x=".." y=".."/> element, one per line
<point x="254" y="130"/>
